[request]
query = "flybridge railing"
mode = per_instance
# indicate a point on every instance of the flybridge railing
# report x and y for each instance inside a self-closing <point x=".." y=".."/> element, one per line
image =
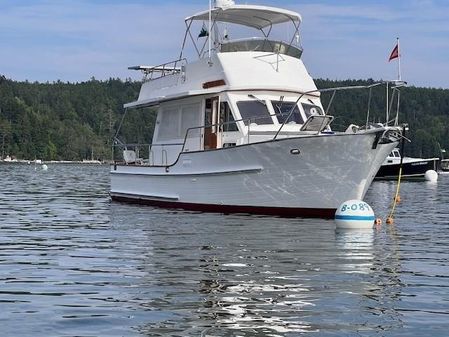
<point x="162" y="70"/>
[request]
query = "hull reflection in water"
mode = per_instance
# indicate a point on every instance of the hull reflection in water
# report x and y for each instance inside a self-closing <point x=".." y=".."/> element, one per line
<point x="266" y="276"/>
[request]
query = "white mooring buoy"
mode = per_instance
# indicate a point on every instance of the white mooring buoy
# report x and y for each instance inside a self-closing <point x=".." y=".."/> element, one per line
<point x="44" y="167"/>
<point x="354" y="214"/>
<point x="431" y="176"/>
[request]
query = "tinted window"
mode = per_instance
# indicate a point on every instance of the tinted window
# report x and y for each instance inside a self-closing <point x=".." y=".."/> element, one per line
<point x="226" y="119"/>
<point x="311" y="109"/>
<point x="282" y="110"/>
<point x="256" y="111"/>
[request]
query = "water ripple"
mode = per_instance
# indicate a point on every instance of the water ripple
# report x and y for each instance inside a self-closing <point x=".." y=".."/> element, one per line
<point x="74" y="264"/>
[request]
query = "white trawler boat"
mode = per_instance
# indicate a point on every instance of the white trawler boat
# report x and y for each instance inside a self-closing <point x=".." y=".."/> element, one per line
<point x="242" y="127"/>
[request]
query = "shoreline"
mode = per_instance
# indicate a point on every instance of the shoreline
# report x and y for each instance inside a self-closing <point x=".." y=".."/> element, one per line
<point x="40" y="162"/>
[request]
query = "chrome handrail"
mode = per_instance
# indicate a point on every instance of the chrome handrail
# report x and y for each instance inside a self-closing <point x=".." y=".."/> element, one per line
<point x="163" y="69"/>
<point x="253" y="119"/>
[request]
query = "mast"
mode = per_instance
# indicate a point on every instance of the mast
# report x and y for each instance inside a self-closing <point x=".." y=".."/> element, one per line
<point x="399" y="61"/>
<point x="210" y="26"/>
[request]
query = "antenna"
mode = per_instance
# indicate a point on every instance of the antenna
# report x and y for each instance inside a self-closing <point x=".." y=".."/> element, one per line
<point x="209" y="28"/>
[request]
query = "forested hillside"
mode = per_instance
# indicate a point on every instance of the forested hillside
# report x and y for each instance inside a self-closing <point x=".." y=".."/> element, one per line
<point x="72" y="121"/>
<point x="63" y="121"/>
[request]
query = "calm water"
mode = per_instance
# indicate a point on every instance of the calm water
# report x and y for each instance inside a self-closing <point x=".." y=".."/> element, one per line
<point x="74" y="264"/>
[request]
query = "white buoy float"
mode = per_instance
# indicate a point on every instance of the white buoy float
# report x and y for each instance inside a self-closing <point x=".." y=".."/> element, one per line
<point x="44" y="167"/>
<point x="354" y="214"/>
<point x="431" y="176"/>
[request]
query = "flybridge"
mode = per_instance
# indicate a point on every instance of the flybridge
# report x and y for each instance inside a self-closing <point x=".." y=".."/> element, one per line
<point x="219" y="30"/>
<point x="258" y="17"/>
<point x="225" y="16"/>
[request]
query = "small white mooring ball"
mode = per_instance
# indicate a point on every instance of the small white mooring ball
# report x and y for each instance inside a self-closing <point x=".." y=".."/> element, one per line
<point x="354" y="214"/>
<point x="431" y="176"/>
<point x="44" y="167"/>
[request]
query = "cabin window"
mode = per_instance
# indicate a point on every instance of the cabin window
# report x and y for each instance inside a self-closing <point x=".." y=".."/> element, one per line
<point x="190" y="118"/>
<point x="282" y="110"/>
<point x="227" y="121"/>
<point x="254" y="112"/>
<point x="311" y="109"/>
<point x="176" y="120"/>
<point x="169" y="124"/>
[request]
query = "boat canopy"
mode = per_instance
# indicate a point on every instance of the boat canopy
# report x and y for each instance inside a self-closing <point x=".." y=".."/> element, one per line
<point x="258" y="17"/>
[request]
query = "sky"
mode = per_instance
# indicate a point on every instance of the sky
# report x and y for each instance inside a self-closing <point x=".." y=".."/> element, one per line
<point x="75" y="40"/>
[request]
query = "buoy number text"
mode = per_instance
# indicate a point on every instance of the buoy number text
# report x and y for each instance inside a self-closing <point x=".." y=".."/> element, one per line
<point x="362" y="206"/>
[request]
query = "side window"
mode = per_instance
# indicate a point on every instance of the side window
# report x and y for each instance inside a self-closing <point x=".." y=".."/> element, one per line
<point x="226" y="119"/>
<point x="254" y="112"/>
<point x="282" y="110"/>
<point x="169" y="127"/>
<point x="310" y="109"/>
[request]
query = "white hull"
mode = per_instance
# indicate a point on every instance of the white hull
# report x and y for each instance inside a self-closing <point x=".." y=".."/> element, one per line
<point x="260" y="177"/>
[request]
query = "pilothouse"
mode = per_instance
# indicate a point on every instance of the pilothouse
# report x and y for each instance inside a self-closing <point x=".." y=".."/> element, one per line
<point x="240" y="125"/>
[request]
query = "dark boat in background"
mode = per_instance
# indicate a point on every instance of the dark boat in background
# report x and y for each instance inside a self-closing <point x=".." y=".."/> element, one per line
<point x="412" y="168"/>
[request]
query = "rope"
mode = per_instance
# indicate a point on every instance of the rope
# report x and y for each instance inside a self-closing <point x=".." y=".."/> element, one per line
<point x="396" y="195"/>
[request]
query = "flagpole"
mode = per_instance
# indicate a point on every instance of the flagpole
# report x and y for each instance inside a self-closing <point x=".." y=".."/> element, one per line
<point x="399" y="60"/>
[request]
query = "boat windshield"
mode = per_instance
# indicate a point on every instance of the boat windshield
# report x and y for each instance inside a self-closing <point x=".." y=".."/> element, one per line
<point x="311" y="109"/>
<point x="260" y="45"/>
<point x="254" y="112"/>
<point x="282" y="110"/>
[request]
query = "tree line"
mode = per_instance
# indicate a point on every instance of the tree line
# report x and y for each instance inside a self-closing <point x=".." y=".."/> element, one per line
<point x="75" y="121"/>
<point x="64" y="121"/>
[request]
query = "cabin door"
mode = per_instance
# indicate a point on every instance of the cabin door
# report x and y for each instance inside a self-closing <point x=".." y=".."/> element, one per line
<point x="211" y="118"/>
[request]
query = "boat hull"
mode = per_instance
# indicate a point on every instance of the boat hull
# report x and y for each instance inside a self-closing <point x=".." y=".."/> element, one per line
<point x="302" y="176"/>
<point x="410" y="170"/>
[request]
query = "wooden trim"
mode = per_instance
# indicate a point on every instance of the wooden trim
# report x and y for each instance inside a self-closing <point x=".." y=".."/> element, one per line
<point x="212" y="84"/>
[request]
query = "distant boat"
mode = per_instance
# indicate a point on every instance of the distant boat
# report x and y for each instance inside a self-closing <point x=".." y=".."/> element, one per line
<point x="91" y="161"/>
<point x="9" y="159"/>
<point x="412" y="168"/>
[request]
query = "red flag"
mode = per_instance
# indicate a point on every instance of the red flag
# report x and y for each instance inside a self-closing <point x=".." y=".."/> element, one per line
<point x="395" y="53"/>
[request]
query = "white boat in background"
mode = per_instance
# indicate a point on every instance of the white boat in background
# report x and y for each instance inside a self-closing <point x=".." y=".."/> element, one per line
<point x="8" y="159"/>
<point x="242" y="128"/>
<point x="412" y="168"/>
